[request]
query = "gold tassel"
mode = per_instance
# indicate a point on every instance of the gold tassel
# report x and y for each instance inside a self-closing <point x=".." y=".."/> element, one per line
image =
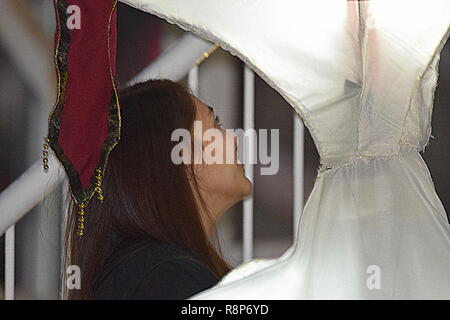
<point x="45" y="154"/>
<point x="82" y="206"/>
<point x="98" y="184"/>
<point x="80" y="231"/>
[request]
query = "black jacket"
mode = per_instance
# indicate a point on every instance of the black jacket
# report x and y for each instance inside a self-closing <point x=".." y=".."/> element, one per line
<point x="151" y="269"/>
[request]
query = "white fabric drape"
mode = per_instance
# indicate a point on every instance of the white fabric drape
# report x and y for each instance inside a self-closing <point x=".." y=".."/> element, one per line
<point x="362" y="76"/>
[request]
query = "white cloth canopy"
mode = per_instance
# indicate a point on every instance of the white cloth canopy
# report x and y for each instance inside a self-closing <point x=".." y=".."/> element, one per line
<point x="362" y="76"/>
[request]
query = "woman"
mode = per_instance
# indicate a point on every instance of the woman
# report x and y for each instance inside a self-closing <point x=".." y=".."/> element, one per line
<point x="150" y="238"/>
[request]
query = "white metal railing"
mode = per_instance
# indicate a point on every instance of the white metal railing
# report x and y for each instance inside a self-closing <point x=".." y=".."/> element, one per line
<point x="35" y="184"/>
<point x="189" y="51"/>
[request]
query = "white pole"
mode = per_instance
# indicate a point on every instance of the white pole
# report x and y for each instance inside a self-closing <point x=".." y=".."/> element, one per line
<point x="177" y="60"/>
<point x="28" y="190"/>
<point x="9" y="263"/>
<point x="249" y="123"/>
<point x="193" y="80"/>
<point x="298" y="169"/>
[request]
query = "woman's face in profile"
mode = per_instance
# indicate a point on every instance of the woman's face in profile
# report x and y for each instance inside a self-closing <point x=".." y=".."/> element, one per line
<point x="222" y="184"/>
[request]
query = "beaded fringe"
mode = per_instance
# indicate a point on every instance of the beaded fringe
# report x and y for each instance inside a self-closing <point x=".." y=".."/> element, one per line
<point x="81" y="207"/>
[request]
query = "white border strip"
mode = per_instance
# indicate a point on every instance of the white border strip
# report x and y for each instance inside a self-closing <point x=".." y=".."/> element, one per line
<point x="298" y="171"/>
<point x="9" y="263"/>
<point x="249" y="123"/>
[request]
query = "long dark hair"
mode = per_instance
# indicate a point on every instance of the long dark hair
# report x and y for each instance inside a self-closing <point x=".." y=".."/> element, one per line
<point x="146" y="195"/>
